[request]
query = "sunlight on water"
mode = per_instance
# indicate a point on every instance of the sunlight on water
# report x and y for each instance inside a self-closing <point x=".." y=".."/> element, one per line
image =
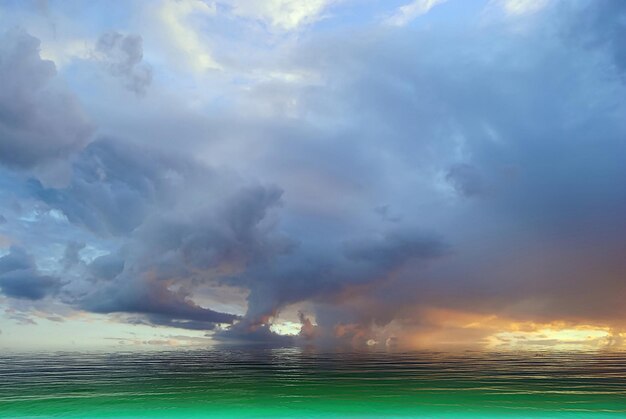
<point x="298" y="383"/>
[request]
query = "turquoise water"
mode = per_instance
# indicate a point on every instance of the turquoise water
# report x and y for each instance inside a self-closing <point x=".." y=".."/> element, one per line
<point x="271" y="383"/>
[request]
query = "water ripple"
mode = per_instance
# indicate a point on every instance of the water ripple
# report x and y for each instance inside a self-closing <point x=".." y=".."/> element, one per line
<point x="298" y="383"/>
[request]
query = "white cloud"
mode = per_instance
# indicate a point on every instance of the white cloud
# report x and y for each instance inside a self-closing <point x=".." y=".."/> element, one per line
<point x="281" y="14"/>
<point x="174" y="17"/>
<point x="522" y="7"/>
<point x="64" y="51"/>
<point x="410" y="11"/>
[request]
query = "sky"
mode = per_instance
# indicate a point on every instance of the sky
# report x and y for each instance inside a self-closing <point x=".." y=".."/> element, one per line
<point x="376" y="174"/>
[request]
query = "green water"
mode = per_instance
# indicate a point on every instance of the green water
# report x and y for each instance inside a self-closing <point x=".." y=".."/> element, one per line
<point x="274" y="383"/>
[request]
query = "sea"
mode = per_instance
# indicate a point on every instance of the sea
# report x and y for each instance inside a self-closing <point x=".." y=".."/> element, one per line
<point x="305" y="383"/>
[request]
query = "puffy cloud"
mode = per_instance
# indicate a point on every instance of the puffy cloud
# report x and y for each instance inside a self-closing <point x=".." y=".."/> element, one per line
<point x="187" y="41"/>
<point x="522" y="7"/>
<point x="16" y="259"/>
<point x="410" y="11"/>
<point x="528" y="121"/>
<point x="121" y="55"/>
<point x="538" y="128"/>
<point x="215" y="229"/>
<point x="106" y="267"/>
<point x="113" y="187"/>
<point x="281" y="14"/>
<point x="160" y="305"/>
<point x="332" y="274"/>
<point x="39" y="122"/>
<point x="180" y="225"/>
<point x="20" y="278"/>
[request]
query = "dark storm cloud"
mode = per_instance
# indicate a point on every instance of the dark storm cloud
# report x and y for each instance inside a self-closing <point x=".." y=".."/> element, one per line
<point x="325" y="273"/>
<point x="213" y="229"/>
<point x="39" y="122"/>
<point x="27" y="284"/>
<point x="525" y="125"/>
<point x="17" y="259"/>
<point x="231" y="235"/>
<point x="530" y="121"/>
<point x="20" y="278"/>
<point x="160" y="305"/>
<point x="107" y="266"/>
<point x="114" y="187"/>
<point x="180" y="224"/>
<point x="394" y="248"/>
<point x="122" y="56"/>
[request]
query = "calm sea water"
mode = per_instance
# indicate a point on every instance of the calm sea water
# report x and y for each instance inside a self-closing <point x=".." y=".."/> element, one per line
<point x="296" y="383"/>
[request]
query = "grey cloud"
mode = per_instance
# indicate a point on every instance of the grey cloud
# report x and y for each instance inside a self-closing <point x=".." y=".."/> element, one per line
<point x="107" y="266"/>
<point x="232" y="234"/>
<point x="537" y="120"/>
<point x="601" y="25"/>
<point x="71" y="256"/>
<point x="27" y="284"/>
<point x="466" y="179"/>
<point x="327" y="273"/>
<point x="114" y="186"/>
<point x="122" y="56"/>
<point x="386" y="214"/>
<point x="20" y="278"/>
<point x="180" y="223"/>
<point x="153" y="299"/>
<point x="533" y="118"/>
<point x="16" y="259"/>
<point x="395" y="248"/>
<point x="204" y="233"/>
<point x="39" y="122"/>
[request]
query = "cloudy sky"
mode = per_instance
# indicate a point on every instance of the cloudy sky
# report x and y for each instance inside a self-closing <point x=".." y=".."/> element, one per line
<point x="337" y="173"/>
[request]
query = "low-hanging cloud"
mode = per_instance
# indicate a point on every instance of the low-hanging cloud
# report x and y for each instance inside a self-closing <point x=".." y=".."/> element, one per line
<point x="177" y="227"/>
